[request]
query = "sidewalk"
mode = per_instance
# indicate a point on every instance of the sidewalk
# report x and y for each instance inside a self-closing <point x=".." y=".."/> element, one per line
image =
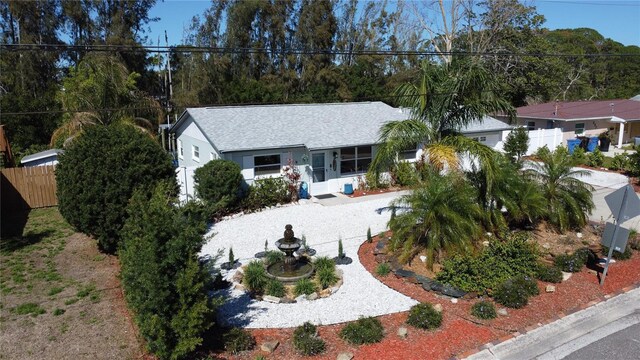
<point x="571" y="333"/>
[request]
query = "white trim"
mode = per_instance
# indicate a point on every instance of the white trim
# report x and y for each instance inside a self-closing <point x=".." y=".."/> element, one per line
<point x="180" y="150"/>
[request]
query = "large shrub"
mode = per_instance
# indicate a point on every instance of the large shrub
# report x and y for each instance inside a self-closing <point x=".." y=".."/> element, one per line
<point x="424" y="316"/>
<point x="237" y="340"/>
<point x="219" y="183"/>
<point x="98" y="173"/>
<point x="501" y="260"/>
<point x="266" y="192"/>
<point x="364" y="331"/>
<point x="164" y="282"/>
<point x="517" y="143"/>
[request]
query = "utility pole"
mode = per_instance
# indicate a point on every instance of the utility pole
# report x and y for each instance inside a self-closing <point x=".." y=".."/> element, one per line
<point x="170" y="95"/>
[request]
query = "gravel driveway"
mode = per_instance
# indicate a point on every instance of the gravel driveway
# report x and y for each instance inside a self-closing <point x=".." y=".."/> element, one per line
<point x="360" y="295"/>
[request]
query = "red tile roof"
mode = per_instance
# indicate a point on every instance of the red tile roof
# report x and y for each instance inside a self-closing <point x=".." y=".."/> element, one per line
<point x="624" y="109"/>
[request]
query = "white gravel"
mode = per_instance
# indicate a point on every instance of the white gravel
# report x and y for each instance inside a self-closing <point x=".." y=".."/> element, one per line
<point x="360" y="295"/>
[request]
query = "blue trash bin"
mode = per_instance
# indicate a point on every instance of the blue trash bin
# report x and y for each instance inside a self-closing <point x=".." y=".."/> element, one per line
<point x="572" y="144"/>
<point x="593" y="143"/>
<point x="304" y="190"/>
<point x="348" y="189"/>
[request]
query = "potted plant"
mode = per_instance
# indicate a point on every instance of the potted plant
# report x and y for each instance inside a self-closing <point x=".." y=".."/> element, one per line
<point x="605" y="140"/>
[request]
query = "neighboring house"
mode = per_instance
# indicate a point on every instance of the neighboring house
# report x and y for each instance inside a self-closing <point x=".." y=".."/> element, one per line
<point x="331" y="144"/>
<point x="585" y="118"/>
<point x="47" y="157"/>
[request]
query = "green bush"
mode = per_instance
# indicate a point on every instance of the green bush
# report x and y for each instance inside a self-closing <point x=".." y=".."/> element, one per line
<point x="405" y="174"/>
<point x="273" y="256"/>
<point x="306" y="340"/>
<point x="515" y="292"/>
<point x="424" y="316"/>
<point x="484" y="310"/>
<point x="266" y="192"/>
<point x="326" y="277"/>
<point x="219" y="183"/>
<point x="579" y="156"/>
<point x="58" y="312"/>
<point x="619" y="162"/>
<point x="369" y="238"/>
<point x="626" y="255"/>
<point x="255" y="277"/>
<point x="238" y="340"/>
<point x="498" y="262"/>
<point x="570" y="263"/>
<point x="275" y="288"/>
<point x="634" y="240"/>
<point x="165" y="284"/>
<point x="304" y="287"/>
<point x="383" y="269"/>
<point x="98" y="173"/>
<point x="634" y="162"/>
<point x="517" y="143"/>
<point x="367" y="330"/>
<point x="549" y="274"/>
<point x="596" y="158"/>
<point x="324" y="262"/>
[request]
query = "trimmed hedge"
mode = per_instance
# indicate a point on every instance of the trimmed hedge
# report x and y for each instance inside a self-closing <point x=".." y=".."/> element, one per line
<point x="515" y="292"/>
<point x="219" y="183"/>
<point x="98" y="173"/>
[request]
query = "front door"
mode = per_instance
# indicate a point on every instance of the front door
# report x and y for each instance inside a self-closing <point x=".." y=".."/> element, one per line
<point x="319" y="184"/>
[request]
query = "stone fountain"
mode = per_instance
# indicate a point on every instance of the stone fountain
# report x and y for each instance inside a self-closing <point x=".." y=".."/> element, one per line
<point x="290" y="269"/>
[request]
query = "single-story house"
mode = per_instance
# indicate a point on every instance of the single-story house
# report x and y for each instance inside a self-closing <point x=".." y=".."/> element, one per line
<point x="585" y="118"/>
<point x="331" y="144"/>
<point x="47" y="157"/>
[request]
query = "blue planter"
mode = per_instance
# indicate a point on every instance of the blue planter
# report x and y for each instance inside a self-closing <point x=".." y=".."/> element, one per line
<point x="348" y="189"/>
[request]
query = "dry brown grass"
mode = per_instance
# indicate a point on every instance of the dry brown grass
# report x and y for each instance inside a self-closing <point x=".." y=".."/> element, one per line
<point x="59" y="297"/>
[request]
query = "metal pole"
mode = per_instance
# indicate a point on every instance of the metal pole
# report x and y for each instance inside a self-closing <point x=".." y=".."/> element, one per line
<point x="613" y="236"/>
<point x="186" y="188"/>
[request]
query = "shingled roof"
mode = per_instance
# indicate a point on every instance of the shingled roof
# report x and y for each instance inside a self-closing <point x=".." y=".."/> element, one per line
<point x="579" y="110"/>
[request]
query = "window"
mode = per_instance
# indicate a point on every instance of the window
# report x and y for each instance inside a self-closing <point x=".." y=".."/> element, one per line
<point x="549" y="124"/>
<point x="180" y="150"/>
<point x="266" y="164"/>
<point x="213" y="156"/>
<point x="579" y="128"/>
<point x="355" y="160"/>
<point x="408" y="155"/>
<point x="195" y="153"/>
<point x="531" y="125"/>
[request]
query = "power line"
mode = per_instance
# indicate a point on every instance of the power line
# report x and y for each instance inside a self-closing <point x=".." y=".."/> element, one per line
<point x="292" y="51"/>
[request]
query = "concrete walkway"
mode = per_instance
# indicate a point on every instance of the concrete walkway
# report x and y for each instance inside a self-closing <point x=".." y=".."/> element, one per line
<point x="571" y="333"/>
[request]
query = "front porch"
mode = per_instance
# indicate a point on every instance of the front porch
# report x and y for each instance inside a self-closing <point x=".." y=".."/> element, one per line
<point x="624" y="132"/>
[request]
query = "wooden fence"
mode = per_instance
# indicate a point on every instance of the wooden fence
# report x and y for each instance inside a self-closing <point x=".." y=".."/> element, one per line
<point x="28" y="188"/>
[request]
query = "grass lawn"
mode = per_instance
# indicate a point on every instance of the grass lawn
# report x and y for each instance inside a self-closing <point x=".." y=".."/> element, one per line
<point x="59" y="297"/>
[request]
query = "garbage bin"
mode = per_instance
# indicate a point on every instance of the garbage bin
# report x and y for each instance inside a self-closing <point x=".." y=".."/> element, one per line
<point x="572" y="144"/>
<point x="304" y="190"/>
<point x="636" y="140"/>
<point x="348" y="189"/>
<point x="593" y="143"/>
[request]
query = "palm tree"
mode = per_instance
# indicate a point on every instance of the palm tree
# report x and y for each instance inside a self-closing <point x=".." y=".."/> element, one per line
<point x="446" y="99"/>
<point x="101" y="91"/>
<point x="569" y="200"/>
<point x="441" y="214"/>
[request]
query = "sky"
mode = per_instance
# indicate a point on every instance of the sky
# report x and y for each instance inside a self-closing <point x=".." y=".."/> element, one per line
<point x="615" y="19"/>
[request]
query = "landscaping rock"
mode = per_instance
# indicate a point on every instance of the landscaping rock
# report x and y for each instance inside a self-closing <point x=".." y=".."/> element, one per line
<point x="345" y="356"/>
<point x="423" y="279"/>
<point x="269" y="346"/>
<point x="452" y="291"/>
<point x="287" y="301"/>
<point x="437" y="307"/>
<point x="566" y="275"/>
<point x="579" y="235"/>
<point x="301" y="298"/>
<point x="381" y="259"/>
<point x="546" y="246"/>
<point x="271" y="299"/>
<point x="436" y="286"/>
<point x="550" y="288"/>
<point x="503" y="312"/>
<point x="592" y="272"/>
<point x="454" y="300"/>
<point x="404" y="273"/>
<point x="239" y="287"/>
<point x="423" y="258"/>
<point x="485" y="243"/>
<point x="260" y="255"/>
<point x="403" y="332"/>
<point x="312" y="296"/>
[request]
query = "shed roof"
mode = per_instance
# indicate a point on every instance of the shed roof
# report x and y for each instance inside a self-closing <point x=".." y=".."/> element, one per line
<point x="41" y="155"/>
<point x="487" y="124"/>
<point x="622" y="108"/>
<point x="316" y="126"/>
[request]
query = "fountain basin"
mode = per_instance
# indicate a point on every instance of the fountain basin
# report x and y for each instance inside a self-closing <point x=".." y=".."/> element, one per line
<point x="280" y="271"/>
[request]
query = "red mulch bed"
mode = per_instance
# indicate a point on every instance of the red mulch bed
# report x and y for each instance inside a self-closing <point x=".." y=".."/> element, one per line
<point x="460" y="333"/>
<point x="359" y="193"/>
